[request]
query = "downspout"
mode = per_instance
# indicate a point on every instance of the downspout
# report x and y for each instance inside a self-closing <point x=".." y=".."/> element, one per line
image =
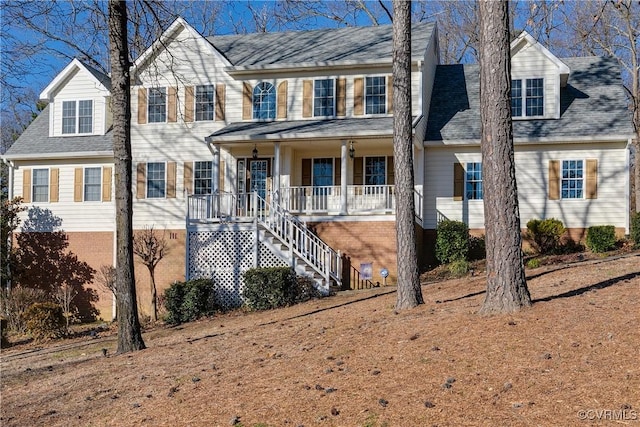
<point x="10" y="197"/>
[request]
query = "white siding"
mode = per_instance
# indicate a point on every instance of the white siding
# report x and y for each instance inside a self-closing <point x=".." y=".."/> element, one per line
<point x="190" y="63"/>
<point x="530" y="63"/>
<point x="80" y="86"/>
<point x="75" y="216"/>
<point x="532" y="174"/>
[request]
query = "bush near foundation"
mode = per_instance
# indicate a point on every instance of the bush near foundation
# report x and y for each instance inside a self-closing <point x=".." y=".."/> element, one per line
<point x="601" y="238"/>
<point x="188" y="301"/>
<point x="452" y="241"/>
<point x="268" y="288"/>
<point x="545" y="234"/>
<point x="45" y="320"/>
<point x="15" y="302"/>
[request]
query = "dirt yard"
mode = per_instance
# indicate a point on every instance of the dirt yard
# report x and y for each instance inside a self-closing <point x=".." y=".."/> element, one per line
<point x="573" y="359"/>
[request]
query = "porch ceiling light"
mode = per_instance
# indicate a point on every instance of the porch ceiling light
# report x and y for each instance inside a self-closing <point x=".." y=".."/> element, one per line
<point x="352" y="151"/>
<point x="255" y="152"/>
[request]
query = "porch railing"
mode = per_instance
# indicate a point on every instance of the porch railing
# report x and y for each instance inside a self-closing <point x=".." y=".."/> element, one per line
<point x="299" y="239"/>
<point x="325" y="199"/>
<point x="223" y="205"/>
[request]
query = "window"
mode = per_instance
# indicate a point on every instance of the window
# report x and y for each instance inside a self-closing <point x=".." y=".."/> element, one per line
<point x="572" y="179"/>
<point x="473" y="179"/>
<point x="40" y="185"/>
<point x="202" y="177"/>
<point x="375" y="171"/>
<point x="533" y="91"/>
<point x="204" y="102"/>
<point x="375" y="98"/>
<point x="68" y="117"/>
<point x="157" y="107"/>
<point x="322" y="172"/>
<point x="323" y="98"/>
<point x="84" y="113"/>
<point x="85" y="116"/>
<point x="156" y="180"/>
<point x="92" y="184"/>
<point x="264" y="101"/>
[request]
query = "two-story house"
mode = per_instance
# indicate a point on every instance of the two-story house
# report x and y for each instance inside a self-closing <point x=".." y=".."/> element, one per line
<point x="276" y="149"/>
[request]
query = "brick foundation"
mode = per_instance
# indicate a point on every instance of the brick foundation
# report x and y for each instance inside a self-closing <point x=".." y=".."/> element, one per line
<point x="368" y="241"/>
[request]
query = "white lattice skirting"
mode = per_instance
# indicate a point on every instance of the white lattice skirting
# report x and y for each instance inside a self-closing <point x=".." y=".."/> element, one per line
<point x="223" y="255"/>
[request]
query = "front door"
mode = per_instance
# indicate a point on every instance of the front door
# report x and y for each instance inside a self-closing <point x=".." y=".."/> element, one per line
<point x="258" y="174"/>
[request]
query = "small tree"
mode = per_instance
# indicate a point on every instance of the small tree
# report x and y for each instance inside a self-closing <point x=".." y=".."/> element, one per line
<point x="64" y="296"/>
<point x="150" y="248"/>
<point x="9" y="221"/>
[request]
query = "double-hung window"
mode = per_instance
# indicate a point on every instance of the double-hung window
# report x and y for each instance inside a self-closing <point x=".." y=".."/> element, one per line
<point x="202" y="177"/>
<point x="375" y="170"/>
<point x="77" y="117"/>
<point x="572" y="179"/>
<point x="204" y="102"/>
<point x="323" y="98"/>
<point x="264" y="101"/>
<point x="157" y="105"/>
<point x="473" y="181"/>
<point x="527" y="97"/>
<point x="40" y="186"/>
<point x="92" y="184"/>
<point x="156" y="180"/>
<point x="375" y="95"/>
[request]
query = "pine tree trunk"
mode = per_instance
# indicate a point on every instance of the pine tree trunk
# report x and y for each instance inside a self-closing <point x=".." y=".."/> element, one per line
<point x="129" y="333"/>
<point x="409" y="291"/>
<point x="506" y="284"/>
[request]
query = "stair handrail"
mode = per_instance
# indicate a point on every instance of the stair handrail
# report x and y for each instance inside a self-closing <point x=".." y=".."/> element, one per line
<point x="298" y="238"/>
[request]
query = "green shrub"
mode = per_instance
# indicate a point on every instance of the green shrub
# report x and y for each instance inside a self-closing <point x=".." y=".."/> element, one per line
<point x="452" y="241"/>
<point x="188" y="301"/>
<point x="268" y="288"/>
<point x="545" y="234"/>
<point x="635" y="229"/>
<point x="477" y="248"/>
<point x="533" y="263"/>
<point x="601" y="238"/>
<point x="459" y="268"/>
<point x="45" y="320"/>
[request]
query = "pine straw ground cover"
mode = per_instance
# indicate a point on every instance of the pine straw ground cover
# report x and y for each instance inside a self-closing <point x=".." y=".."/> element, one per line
<point x="349" y="360"/>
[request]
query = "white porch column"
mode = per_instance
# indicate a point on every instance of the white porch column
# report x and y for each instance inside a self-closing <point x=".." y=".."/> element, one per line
<point x="276" y="172"/>
<point x="343" y="178"/>
<point x="215" y="167"/>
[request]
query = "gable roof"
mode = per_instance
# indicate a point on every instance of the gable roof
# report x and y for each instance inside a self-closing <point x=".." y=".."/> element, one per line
<point x="36" y="143"/>
<point x="103" y="82"/>
<point x="526" y="40"/>
<point x="342" y="46"/>
<point x="592" y="105"/>
<point x="175" y="28"/>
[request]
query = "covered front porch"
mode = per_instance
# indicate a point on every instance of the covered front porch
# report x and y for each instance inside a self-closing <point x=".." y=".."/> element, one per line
<point x="316" y="168"/>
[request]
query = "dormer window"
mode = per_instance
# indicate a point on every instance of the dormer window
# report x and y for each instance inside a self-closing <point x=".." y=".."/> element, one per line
<point x="77" y="117"/>
<point x="531" y="91"/>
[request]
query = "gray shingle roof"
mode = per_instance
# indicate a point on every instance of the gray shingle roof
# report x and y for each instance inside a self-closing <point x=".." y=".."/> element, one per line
<point x="593" y="103"/>
<point x="327" y="45"/>
<point x="35" y="141"/>
<point x="102" y="77"/>
<point x="335" y="128"/>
